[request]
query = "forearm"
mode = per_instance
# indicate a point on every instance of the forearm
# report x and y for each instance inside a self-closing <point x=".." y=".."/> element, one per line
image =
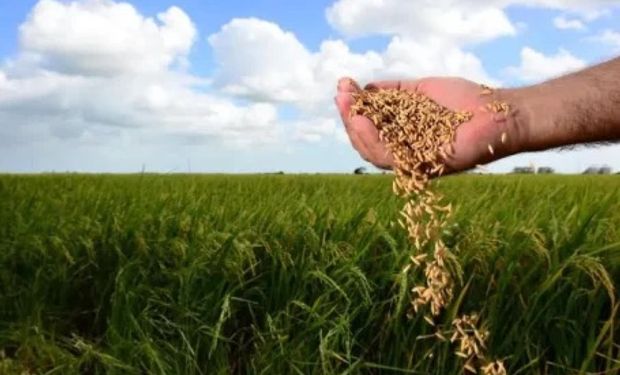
<point x="582" y="107"/>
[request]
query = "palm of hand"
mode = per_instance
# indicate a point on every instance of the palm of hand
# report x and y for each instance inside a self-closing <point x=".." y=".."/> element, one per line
<point x="471" y="145"/>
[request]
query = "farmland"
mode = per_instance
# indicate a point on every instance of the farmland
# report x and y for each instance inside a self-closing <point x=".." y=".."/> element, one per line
<point x="265" y="274"/>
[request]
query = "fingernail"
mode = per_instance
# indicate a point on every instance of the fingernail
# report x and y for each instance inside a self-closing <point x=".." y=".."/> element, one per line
<point x="340" y="83"/>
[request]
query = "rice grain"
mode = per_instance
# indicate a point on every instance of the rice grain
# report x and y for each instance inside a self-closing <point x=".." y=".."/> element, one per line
<point x="419" y="133"/>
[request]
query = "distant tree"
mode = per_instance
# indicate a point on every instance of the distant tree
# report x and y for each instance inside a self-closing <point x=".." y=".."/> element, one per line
<point x="360" y="170"/>
<point x="524" y="170"/>
<point x="545" y="170"/>
<point x="591" y="170"/>
<point x="598" y="170"/>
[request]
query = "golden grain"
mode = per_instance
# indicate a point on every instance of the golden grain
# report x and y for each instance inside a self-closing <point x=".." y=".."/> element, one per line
<point x="419" y="133"/>
<point x="498" y="107"/>
<point x="429" y="320"/>
<point x="486" y="90"/>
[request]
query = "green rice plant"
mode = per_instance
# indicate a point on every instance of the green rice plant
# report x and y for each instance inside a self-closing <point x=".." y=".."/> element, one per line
<point x="298" y="274"/>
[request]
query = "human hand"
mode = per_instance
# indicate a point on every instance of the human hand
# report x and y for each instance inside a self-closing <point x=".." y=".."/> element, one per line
<point x="477" y="141"/>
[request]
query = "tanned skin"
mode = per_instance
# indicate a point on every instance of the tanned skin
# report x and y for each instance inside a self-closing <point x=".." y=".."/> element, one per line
<point x="578" y="108"/>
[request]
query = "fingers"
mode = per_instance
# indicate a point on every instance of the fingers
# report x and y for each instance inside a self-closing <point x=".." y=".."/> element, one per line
<point x="368" y="134"/>
<point x="347" y="84"/>
<point x="344" y="101"/>
<point x="362" y="132"/>
<point x="412" y="85"/>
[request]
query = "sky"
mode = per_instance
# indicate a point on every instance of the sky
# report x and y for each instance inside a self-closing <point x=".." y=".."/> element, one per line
<point x="247" y="86"/>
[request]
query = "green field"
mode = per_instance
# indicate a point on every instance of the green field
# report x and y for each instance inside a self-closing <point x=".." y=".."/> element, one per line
<point x="184" y="274"/>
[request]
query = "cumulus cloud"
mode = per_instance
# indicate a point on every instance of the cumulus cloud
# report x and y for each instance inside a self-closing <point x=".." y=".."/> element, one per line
<point x="72" y="106"/>
<point x="258" y="58"/>
<point x="90" y="70"/>
<point x="457" y="21"/>
<point x="460" y="21"/>
<point x="281" y="68"/>
<point x="536" y="66"/>
<point x="575" y="5"/>
<point x="426" y="38"/>
<point x="101" y="37"/>
<point x="608" y="37"/>
<point x="116" y="68"/>
<point x="563" y="23"/>
<point x="586" y="10"/>
<point x="315" y="130"/>
<point x="406" y="57"/>
<point x="305" y="78"/>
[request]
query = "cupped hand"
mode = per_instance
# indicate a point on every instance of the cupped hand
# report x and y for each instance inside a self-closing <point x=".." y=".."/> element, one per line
<point x="488" y="136"/>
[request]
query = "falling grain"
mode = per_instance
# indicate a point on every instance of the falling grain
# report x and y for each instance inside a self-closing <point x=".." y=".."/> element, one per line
<point x="419" y="133"/>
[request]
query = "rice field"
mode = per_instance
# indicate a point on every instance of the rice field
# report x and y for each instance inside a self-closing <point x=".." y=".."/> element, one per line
<point x="300" y="274"/>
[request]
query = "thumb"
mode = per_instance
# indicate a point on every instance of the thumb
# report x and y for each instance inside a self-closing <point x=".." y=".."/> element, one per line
<point x="409" y="85"/>
<point x="348" y="85"/>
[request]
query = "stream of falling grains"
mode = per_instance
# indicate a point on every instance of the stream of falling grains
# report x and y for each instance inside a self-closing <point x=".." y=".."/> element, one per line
<point x="419" y="133"/>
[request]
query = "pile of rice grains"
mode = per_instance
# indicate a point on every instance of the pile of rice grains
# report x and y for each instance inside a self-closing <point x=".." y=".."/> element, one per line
<point x="419" y="133"/>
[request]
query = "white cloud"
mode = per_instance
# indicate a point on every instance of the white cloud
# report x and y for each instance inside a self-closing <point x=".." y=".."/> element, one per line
<point x="101" y="37"/>
<point x="567" y="4"/>
<point x="335" y="59"/>
<point x="536" y="66"/>
<point x="608" y="37"/>
<point x="563" y="23"/>
<point x="247" y="65"/>
<point x="405" y="57"/>
<point x="69" y="106"/>
<point x="259" y="60"/>
<point x="100" y="72"/>
<point x="459" y="21"/>
<point x="87" y="65"/>
<point x="318" y="129"/>
<point x="587" y="10"/>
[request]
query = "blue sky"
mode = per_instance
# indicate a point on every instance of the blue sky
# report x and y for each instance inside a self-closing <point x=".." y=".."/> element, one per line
<point x="246" y="86"/>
